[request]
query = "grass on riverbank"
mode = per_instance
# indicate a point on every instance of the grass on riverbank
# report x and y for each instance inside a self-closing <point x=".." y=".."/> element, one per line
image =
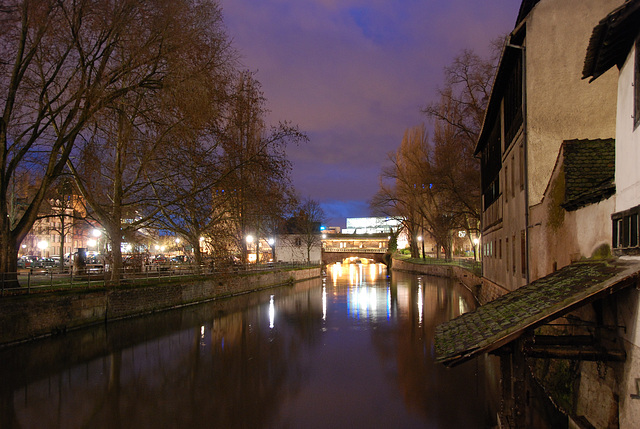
<point x="468" y="264"/>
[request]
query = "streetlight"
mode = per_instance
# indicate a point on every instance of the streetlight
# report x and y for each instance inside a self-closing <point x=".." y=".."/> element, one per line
<point x="178" y="245"/>
<point x="272" y="242"/>
<point x="42" y="245"/>
<point x="248" y="255"/>
<point x="475" y="244"/>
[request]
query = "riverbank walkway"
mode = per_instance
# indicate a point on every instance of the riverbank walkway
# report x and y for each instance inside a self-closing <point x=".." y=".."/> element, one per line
<point x="43" y="280"/>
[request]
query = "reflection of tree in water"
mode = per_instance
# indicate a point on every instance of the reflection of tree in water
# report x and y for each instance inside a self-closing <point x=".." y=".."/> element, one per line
<point x="231" y="371"/>
<point x="427" y="388"/>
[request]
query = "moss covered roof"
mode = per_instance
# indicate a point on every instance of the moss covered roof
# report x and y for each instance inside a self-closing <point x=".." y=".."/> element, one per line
<point x="589" y="167"/>
<point x="503" y="320"/>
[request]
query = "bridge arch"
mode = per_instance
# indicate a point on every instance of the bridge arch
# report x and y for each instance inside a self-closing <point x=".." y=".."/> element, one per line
<point x="333" y="257"/>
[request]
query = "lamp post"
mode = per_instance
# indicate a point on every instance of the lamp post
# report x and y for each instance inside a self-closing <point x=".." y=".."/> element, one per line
<point x="272" y="243"/>
<point x="249" y="240"/>
<point x="178" y="245"/>
<point x="93" y="242"/>
<point x="475" y="244"/>
<point x="42" y="245"/>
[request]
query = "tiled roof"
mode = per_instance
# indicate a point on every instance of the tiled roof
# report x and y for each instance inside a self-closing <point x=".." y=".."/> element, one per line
<point x="612" y="39"/>
<point x="503" y="320"/>
<point x="589" y="167"/>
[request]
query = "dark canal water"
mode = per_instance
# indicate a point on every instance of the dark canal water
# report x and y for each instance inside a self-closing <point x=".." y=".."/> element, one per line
<point x="353" y="350"/>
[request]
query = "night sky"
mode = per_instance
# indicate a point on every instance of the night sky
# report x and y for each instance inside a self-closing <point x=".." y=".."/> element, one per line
<point x="353" y="75"/>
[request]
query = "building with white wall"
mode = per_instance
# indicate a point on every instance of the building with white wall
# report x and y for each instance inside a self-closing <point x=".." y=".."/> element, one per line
<point x="615" y="48"/>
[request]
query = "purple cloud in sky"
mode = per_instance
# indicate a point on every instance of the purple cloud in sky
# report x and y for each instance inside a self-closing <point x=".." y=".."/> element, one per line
<point x="353" y="74"/>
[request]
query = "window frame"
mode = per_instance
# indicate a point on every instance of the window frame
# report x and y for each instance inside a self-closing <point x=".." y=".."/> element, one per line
<point x="625" y="231"/>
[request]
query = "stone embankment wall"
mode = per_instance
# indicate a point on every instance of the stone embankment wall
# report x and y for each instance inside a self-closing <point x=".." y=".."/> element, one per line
<point x="26" y="317"/>
<point x="483" y="291"/>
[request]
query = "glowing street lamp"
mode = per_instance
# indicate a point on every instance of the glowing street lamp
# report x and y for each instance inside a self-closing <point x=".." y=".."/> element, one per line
<point x="475" y="245"/>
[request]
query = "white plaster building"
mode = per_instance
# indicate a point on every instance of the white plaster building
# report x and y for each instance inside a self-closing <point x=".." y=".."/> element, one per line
<point x="615" y="44"/>
<point x="294" y="247"/>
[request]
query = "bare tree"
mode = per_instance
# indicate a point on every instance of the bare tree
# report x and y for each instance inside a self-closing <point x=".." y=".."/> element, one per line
<point x="64" y="62"/>
<point x="402" y="185"/>
<point x="127" y="165"/>
<point x="255" y="159"/>
<point x="458" y="116"/>
<point x="306" y="222"/>
<point x="193" y="202"/>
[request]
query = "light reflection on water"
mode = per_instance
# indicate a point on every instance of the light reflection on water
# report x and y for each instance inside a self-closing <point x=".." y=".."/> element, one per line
<point x="352" y="350"/>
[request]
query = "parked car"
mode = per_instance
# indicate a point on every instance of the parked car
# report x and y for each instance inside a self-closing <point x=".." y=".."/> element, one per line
<point x="159" y="259"/>
<point x="47" y="262"/>
<point x="35" y="262"/>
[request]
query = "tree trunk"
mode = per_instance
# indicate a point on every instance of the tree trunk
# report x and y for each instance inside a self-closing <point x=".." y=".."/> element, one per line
<point x="116" y="256"/>
<point x="197" y="254"/>
<point x="8" y="258"/>
<point x="62" y="237"/>
<point x="415" y="252"/>
<point x="449" y="248"/>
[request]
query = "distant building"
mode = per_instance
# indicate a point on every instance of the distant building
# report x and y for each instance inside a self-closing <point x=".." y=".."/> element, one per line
<point x="371" y="225"/>
<point x="61" y="227"/>
<point x="294" y="248"/>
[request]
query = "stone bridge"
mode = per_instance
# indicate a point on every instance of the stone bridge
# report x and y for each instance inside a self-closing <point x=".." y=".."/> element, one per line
<point x="332" y="255"/>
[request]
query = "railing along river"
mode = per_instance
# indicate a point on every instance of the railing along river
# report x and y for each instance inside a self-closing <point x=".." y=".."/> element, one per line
<point x="49" y="279"/>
